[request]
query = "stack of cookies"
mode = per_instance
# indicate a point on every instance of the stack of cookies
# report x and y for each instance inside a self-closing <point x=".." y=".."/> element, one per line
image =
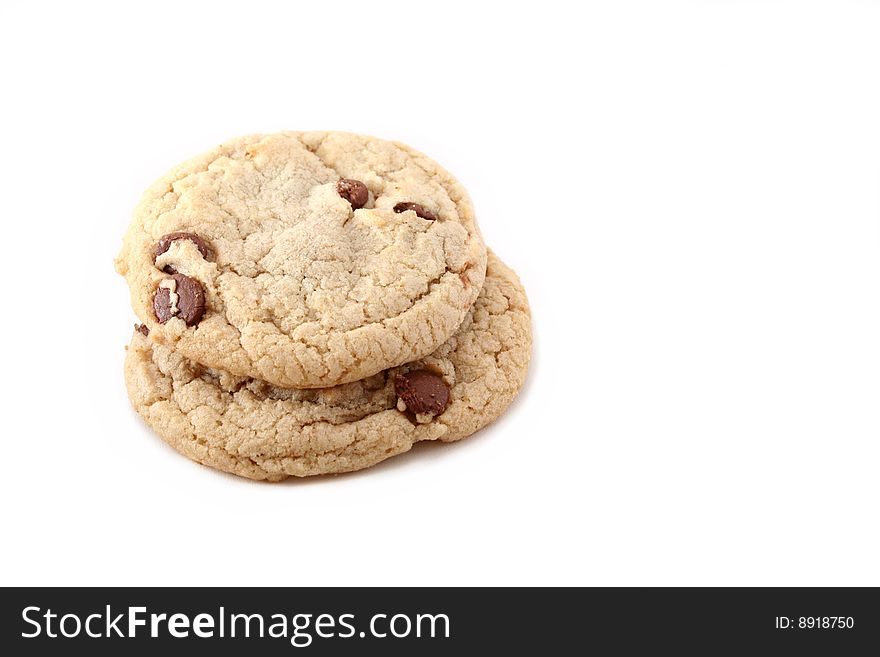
<point x="314" y="303"/>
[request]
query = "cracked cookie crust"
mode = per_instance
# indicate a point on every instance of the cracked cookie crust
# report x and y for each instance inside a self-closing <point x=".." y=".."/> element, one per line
<point x="253" y="429"/>
<point x="307" y="260"/>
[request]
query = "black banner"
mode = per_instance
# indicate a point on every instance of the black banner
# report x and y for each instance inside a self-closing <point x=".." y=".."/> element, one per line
<point x="438" y="621"/>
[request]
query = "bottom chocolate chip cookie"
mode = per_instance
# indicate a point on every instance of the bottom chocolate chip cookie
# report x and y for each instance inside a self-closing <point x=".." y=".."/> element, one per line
<point x="252" y="429"/>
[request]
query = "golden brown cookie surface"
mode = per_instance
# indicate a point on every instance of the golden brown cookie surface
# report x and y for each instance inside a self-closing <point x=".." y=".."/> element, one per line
<point x="304" y="259"/>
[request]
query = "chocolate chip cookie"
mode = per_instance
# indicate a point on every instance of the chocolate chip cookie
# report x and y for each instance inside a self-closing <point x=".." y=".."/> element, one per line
<point x="251" y="428"/>
<point x="305" y="260"/>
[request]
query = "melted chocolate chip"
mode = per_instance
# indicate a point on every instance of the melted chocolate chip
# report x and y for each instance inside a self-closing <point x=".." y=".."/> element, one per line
<point x="191" y="301"/>
<point x="162" y="305"/>
<point x="353" y="191"/>
<point x="423" y="392"/>
<point x="190" y="305"/>
<point x="420" y="210"/>
<point x="142" y="329"/>
<point x="165" y="243"/>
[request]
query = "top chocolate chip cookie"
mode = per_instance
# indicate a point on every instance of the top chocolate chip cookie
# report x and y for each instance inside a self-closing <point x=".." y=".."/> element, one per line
<point x="304" y="259"/>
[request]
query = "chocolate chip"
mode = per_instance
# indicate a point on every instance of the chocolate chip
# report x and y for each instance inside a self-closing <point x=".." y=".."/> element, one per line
<point x="165" y="243"/>
<point x="353" y="191"/>
<point x="422" y="391"/>
<point x="142" y="328"/>
<point x="187" y="302"/>
<point x="192" y="299"/>
<point x="162" y="305"/>
<point x="420" y="210"/>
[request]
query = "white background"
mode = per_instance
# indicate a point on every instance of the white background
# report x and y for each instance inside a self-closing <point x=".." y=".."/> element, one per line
<point x="690" y="192"/>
